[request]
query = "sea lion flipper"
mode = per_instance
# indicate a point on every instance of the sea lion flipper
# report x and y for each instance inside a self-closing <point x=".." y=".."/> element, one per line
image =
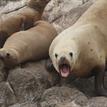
<point x="49" y="66"/>
<point x="99" y="82"/>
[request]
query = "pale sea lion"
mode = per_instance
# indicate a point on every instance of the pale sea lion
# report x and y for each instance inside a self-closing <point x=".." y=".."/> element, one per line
<point x="81" y="50"/>
<point x="21" y="19"/>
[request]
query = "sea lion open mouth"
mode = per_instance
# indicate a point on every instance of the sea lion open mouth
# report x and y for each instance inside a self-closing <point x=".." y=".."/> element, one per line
<point x="64" y="69"/>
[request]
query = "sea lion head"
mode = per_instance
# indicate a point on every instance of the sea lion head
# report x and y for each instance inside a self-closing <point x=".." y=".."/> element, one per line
<point x="64" y="56"/>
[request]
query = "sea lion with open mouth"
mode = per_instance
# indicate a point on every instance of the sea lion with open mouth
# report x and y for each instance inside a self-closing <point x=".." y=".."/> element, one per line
<point x="21" y="19"/>
<point x="81" y="50"/>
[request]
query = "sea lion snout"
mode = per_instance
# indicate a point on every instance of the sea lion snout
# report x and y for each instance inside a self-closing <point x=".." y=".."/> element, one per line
<point x="64" y="67"/>
<point x="62" y="59"/>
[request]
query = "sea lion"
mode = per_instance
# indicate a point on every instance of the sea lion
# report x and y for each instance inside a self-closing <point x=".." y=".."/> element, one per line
<point x="29" y="45"/>
<point x="81" y="50"/>
<point x="21" y="19"/>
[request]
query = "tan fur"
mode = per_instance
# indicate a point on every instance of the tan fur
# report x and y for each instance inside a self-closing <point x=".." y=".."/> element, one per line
<point x="86" y="39"/>
<point x="32" y="44"/>
<point x="22" y="18"/>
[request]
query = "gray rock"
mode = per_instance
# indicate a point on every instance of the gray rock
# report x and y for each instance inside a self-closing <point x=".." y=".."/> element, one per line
<point x="24" y="105"/>
<point x="4" y="2"/>
<point x="59" y="7"/>
<point x="70" y="104"/>
<point x="63" y="16"/>
<point x="97" y="102"/>
<point x="29" y="82"/>
<point x="11" y="6"/>
<point x="4" y="92"/>
<point x="57" y="96"/>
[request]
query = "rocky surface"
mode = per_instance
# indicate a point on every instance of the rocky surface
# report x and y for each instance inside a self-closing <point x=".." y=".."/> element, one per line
<point x="62" y="96"/>
<point x="64" y="13"/>
<point x="30" y="85"/>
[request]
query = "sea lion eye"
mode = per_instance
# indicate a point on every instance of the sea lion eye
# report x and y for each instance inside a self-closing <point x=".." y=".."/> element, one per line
<point x="7" y="55"/>
<point x="56" y="55"/>
<point x="71" y="54"/>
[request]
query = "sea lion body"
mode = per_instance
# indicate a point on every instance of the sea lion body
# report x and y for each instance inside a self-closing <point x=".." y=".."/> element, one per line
<point x="81" y="50"/>
<point x="91" y="53"/>
<point x="32" y="44"/>
<point x="21" y="19"/>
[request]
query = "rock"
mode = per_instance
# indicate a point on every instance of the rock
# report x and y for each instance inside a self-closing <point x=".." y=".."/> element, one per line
<point x="4" y="2"/>
<point x="57" y="96"/>
<point x="70" y="17"/>
<point x="71" y="104"/>
<point x="11" y="6"/>
<point x="63" y="16"/>
<point x="29" y="82"/>
<point x="60" y="7"/>
<point x="97" y="102"/>
<point x="4" y="92"/>
<point x="24" y="105"/>
<point x="3" y="89"/>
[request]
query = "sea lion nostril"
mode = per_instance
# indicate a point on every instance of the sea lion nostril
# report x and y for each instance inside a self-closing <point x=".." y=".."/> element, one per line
<point x="71" y="54"/>
<point x="62" y="59"/>
<point x="56" y="55"/>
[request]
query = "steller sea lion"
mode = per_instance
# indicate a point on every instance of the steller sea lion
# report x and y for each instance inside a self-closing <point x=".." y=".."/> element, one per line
<point x="81" y="50"/>
<point x="21" y="19"/>
<point x="29" y="45"/>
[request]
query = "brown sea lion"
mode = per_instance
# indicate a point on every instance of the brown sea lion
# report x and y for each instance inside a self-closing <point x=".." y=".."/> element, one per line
<point x="29" y="45"/>
<point x="81" y="50"/>
<point x="21" y="19"/>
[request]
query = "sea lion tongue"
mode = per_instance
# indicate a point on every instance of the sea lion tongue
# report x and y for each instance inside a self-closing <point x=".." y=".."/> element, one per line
<point x="65" y="70"/>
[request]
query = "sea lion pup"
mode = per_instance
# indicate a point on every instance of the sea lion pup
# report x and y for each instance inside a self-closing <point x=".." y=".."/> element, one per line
<point x="21" y="19"/>
<point x="30" y="45"/>
<point x="81" y="50"/>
